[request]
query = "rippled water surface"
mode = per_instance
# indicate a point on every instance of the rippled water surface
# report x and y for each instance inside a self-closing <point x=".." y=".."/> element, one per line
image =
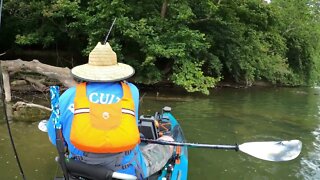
<point x="227" y="116"/>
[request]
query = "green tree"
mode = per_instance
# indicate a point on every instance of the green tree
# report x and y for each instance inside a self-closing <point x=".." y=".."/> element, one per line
<point x="156" y="39"/>
<point x="245" y="38"/>
<point x="299" y="25"/>
<point x="192" y="43"/>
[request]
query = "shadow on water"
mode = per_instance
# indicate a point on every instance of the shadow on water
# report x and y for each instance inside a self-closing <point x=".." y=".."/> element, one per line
<point x="227" y="116"/>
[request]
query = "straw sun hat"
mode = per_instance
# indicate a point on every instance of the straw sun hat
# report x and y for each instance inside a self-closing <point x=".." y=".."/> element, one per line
<point x="102" y="66"/>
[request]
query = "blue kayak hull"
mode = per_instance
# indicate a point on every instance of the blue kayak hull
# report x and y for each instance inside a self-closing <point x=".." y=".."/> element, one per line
<point x="176" y="169"/>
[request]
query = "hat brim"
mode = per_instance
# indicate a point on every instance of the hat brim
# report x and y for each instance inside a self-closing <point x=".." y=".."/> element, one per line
<point x="112" y="73"/>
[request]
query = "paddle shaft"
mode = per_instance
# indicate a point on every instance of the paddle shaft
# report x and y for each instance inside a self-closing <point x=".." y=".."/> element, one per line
<point x="194" y="145"/>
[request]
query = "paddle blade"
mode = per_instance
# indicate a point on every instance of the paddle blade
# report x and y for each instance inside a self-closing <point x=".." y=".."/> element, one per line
<point x="42" y="126"/>
<point x="273" y="150"/>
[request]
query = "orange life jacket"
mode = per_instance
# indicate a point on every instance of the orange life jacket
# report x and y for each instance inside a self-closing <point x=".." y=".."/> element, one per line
<point x="104" y="128"/>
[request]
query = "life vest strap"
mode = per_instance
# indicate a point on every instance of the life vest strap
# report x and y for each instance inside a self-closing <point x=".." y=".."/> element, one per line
<point x="87" y="110"/>
<point x="81" y="110"/>
<point x="128" y="111"/>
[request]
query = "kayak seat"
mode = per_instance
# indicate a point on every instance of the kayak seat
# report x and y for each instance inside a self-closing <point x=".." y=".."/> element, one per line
<point x="78" y="169"/>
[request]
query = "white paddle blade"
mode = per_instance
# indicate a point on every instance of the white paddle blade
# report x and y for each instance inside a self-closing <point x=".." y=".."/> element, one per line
<point x="43" y="126"/>
<point x="273" y="150"/>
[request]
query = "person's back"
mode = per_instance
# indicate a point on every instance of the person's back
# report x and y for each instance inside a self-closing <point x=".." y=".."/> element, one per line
<point x="99" y="118"/>
<point x="99" y="93"/>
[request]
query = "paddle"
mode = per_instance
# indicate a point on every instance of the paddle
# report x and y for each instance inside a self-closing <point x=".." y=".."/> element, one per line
<point x="269" y="151"/>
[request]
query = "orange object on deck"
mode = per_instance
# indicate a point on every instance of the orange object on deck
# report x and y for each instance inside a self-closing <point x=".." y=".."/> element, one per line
<point x="178" y="152"/>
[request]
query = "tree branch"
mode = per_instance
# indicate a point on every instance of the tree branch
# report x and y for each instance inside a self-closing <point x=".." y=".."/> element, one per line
<point x="37" y="83"/>
<point x="21" y="104"/>
<point x="164" y="8"/>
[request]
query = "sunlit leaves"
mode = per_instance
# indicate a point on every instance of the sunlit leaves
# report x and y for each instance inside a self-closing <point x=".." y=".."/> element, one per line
<point x="190" y="76"/>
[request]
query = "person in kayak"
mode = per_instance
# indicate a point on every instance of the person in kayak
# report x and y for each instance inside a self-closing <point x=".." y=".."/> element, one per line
<point x="99" y="118"/>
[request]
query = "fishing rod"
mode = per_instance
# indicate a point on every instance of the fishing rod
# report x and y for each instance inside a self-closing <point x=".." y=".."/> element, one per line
<point x="5" y="111"/>
<point x="8" y="124"/>
<point x="106" y="39"/>
<point x="270" y="150"/>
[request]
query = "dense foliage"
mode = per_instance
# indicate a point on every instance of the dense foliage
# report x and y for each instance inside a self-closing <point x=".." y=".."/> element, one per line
<point x="193" y="43"/>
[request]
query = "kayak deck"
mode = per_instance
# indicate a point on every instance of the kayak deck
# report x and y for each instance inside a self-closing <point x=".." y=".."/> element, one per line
<point x="177" y="166"/>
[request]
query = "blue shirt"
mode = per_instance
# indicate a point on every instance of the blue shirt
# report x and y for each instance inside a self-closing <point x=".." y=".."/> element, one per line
<point x="97" y="92"/>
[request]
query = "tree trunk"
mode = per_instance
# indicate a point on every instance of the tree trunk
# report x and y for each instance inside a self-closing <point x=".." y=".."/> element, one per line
<point x="164" y="8"/>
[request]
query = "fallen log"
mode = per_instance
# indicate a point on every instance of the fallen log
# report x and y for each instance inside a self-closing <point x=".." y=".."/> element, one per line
<point x="21" y="104"/>
<point x="24" y="76"/>
<point x="12" y="67"/>
<point x="37" y="84"/>
<point x="63" y="74"/>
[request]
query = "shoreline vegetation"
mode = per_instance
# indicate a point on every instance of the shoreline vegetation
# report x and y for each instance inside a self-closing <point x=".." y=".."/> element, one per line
<point x="34" y="76"/>
<point x="186" y="46"/>
<point x="194" y="44"/>
<point x="26" y="81"/>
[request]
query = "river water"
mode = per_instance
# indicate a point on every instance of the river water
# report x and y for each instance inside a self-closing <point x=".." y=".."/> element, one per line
<point x="227" y="116"/>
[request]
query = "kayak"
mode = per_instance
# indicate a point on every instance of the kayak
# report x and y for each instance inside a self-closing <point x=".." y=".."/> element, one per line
<point x="177" y="166"/>
<point x="151" y="128"/>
